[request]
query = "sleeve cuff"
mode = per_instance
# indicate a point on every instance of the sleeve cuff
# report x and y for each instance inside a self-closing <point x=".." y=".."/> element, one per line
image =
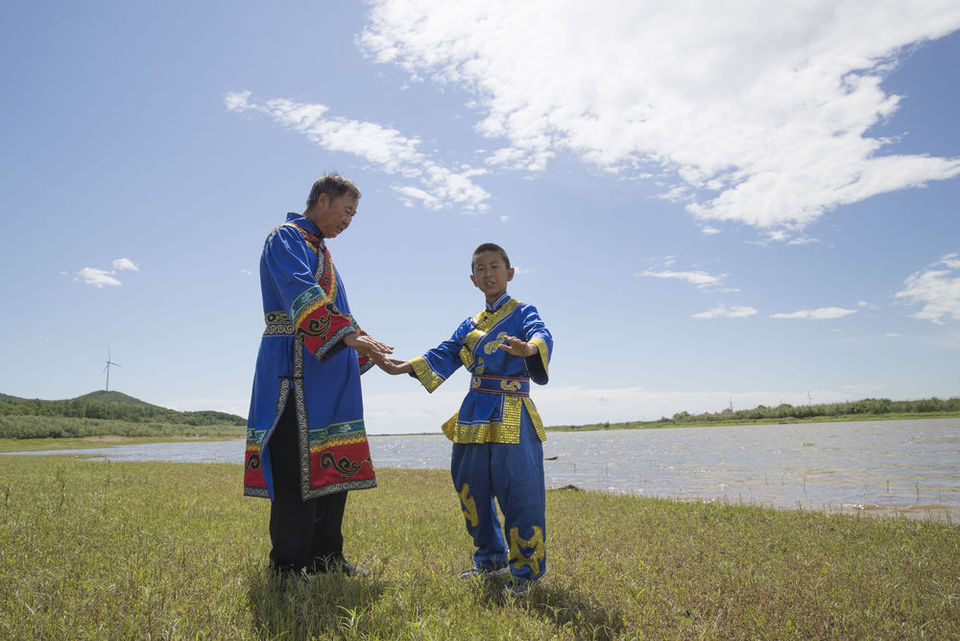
<point x="538" y="364"/>
<point x="427" y="377"/>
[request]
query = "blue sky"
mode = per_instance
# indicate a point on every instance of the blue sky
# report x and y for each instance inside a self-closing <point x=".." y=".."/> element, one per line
<point x="710" y="203"/>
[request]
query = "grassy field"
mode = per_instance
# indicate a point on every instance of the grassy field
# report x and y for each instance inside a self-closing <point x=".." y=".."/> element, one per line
<point x="101" y="550"/>
<point x="66" y="427"/>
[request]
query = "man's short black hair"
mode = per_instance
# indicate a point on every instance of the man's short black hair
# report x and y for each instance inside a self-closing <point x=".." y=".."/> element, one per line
<point x="333" y="184"/>
<point x="490" y="247"/>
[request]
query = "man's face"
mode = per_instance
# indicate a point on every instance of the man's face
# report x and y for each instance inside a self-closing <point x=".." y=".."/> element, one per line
<point x="333" y="215"/>
<point x="491" y="274"/>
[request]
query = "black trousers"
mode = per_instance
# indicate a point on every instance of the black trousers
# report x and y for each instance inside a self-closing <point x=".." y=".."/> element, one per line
<point x="305" y="534"/>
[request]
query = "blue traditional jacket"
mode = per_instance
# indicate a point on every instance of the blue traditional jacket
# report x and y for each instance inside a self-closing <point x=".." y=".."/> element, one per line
<point x="499" y="397"/>
<point x="303" y="360"/>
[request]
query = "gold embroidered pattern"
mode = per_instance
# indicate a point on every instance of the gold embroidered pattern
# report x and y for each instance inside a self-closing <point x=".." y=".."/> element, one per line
<point x="510" y="386"/>
<point x="535" y="418"/>
<point x="541" y="346"/>
<point x="469" y="505"/>
<point x="427" y="377"/>
<point x="484" y="322"/>
<point x="466" y="357"/>
<point x="518" y="559"/>
<point x="494" y="345"/>
<point x="506" y="430"/>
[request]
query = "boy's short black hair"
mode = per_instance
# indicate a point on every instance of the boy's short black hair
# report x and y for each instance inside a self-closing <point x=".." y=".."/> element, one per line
<point x="333" y="184"/>
<point x="490" y="247"/>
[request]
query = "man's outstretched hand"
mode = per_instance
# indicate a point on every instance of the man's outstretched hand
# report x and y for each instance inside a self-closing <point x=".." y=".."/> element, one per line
<point x="368" y="346"/>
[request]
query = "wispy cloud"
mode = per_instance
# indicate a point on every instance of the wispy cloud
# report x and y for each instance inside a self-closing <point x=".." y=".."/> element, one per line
<point x="699" y="279"/>
<point x="749" y="112"/>
<point x="821" y="313"/>
<point x="438" y="187"/>
<point x="105" y="278"/>
<point x="937" y="288"/>
<point x="721" y="311"/>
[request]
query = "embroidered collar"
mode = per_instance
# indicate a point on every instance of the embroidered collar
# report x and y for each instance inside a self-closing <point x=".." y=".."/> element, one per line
<point x="304" y="223"/>
<point x="309" y="230"/>
<point x="497" y="304"/>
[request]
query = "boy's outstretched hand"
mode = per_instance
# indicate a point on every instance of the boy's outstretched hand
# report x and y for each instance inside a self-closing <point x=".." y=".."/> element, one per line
<point x="394" y="366"/>
<point x="516" y="347"/>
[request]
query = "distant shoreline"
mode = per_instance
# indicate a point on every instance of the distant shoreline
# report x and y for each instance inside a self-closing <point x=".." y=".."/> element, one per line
<point x="846" y="418"/>
<point x="109" y="440"/>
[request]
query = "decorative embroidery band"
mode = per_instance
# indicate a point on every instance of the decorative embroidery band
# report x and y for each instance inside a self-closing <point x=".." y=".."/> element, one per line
<point x="506" y="430"/>
<point x="278" y="324"/>
<point x="544" y="353"/>
<point x="500" y="385"/>
<point x="427" y="377"/>
<point x="350" y="431"/>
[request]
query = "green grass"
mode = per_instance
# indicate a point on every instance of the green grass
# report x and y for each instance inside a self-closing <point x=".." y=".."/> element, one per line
<point x="101" y="550"/>
<point x="59" y="427"/>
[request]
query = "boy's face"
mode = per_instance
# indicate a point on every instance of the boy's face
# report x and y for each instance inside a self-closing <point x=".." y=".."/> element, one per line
<point x="491" y="274"/>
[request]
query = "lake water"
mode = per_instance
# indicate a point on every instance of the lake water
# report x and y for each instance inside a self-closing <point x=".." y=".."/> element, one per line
<point x="876" y="467"/>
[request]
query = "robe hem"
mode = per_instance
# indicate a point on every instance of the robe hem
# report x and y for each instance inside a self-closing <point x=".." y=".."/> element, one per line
<point x="340" y="487"/>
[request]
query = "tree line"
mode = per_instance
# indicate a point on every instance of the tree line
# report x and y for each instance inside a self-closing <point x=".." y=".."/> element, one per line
<point x="867" y="406"/>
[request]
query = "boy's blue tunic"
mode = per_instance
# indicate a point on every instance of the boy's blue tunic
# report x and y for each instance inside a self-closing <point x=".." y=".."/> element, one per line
<point x="497" y="433"/>
<point x="303" y="360"/>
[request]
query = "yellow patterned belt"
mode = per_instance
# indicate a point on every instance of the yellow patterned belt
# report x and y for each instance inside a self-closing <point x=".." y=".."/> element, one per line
<point x="500" y="385"/>
<point x="278" y="324"/>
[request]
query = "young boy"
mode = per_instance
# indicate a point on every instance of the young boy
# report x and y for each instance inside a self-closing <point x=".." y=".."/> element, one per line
<point x="497" y="434"/>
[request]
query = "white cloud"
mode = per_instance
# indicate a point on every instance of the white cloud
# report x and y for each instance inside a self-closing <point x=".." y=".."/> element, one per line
<point x="749" y="111"/>
<point x="105" y="278"/>
<point x="937" y="288"/>
<point x="395" y="153"/>
<point x="721" y="311"/>
<point x="246" y="272"/>
<point x="124" y="264"/>
<point x="822" y="313"/>
<point x="97" y="277"/>
<point x="698" y="279"/>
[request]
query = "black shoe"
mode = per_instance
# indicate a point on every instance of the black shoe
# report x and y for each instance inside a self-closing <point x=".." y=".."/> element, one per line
<point x="336" y="564"/>
<point x="519" y="587"/>
<point x="496" y="571"/>
<point x="288" y="572"/>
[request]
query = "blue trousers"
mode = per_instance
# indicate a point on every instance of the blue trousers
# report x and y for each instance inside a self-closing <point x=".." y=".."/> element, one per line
<point x="485" y="474"/>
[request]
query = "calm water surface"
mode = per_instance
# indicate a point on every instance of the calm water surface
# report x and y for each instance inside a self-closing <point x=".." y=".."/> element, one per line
<point x="882" y="467"/>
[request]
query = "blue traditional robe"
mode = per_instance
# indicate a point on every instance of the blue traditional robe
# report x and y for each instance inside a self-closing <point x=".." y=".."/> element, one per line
<point x="303" y="360"/>
<point x="499" y="395"/>
<point x="498" y="435"/>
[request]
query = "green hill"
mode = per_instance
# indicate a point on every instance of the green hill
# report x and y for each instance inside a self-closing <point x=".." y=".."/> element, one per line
<point x="109" y="410"/>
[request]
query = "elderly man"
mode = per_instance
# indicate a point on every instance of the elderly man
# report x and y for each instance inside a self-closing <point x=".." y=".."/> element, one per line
<point x="306" y="442"/>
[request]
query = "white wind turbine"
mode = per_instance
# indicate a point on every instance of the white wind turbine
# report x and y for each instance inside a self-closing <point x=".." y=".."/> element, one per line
<point x="107" y="369"/>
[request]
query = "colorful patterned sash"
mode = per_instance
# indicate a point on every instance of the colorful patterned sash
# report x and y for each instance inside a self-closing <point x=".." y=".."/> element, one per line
<point x="500" y="385"/>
